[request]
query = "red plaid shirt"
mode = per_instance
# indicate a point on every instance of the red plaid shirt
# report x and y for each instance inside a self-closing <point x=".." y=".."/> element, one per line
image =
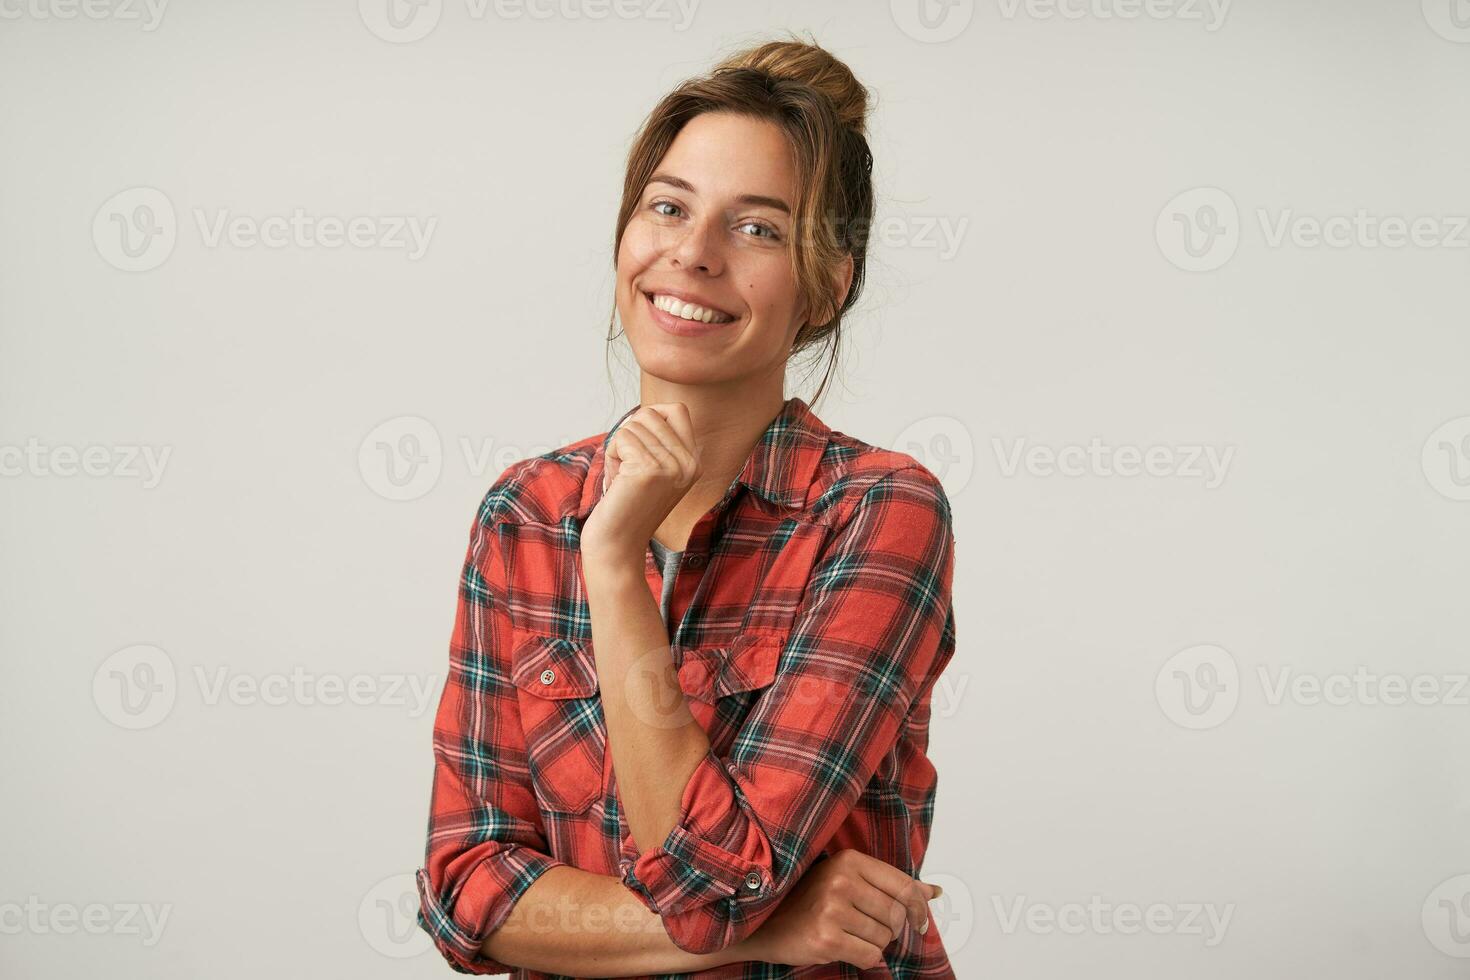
<point x="811" y="617"/>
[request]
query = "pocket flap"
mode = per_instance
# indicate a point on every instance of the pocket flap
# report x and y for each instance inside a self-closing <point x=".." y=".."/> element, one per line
<point x="552" y="667"/>
<point x="749" y="663"/>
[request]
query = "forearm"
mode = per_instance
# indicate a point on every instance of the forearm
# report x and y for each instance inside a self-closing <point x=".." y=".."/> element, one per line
<point x="577" y="923"/>
<point x="655" y="741"/>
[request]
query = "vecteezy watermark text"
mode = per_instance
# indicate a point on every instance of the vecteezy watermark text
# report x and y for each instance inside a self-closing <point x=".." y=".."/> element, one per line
<point x="1198" y="462"/>
<point x="406" y="21"/>
<point x="149" y="12"/>
<point x="1211" y="13"/>
<point x="1103" y="918"/>
<point x="128" y="462"/>
<point x="1200" y="686"/>
<point x="137" y="229"/>
<point x="38" y="918"/>
<point x="136" y="688"/>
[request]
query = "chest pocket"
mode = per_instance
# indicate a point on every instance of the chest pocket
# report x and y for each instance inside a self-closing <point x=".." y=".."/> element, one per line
<point x="723" y="683"/>
<point x="561" y="716"/>
<point x="748" y="664"/>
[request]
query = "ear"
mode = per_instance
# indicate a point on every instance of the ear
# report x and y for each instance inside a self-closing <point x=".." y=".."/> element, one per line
<point x="841" y="283"/>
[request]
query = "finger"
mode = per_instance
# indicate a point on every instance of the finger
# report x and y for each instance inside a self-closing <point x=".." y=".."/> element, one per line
<point x="654" y="449"/>
<point x="859" y="952"/>
<point x="899" y="885"/>
<point x="671" y="425"/>
<point x="885" y="918"/>
<point x="863" y="926"/>
<point x="881" y="908"/>
<point x="627" y="446"/>
<point x="677" y="415"/>
<point x="666" y="443"/>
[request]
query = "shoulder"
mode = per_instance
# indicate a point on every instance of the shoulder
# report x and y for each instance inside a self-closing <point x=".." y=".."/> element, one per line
<point x="854" y="474"/>
<point x="540" y="489"/>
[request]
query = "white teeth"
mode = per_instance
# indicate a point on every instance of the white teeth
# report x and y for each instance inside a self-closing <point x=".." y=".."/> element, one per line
<point x="689" y="311"/>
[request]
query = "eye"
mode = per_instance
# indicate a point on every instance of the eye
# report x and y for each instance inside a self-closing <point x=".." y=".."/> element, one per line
<point x="657" y="204"/>
<point x="770" y="232"/>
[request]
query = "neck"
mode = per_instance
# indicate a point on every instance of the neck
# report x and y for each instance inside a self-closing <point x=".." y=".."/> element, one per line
<point x="728" y="420"/>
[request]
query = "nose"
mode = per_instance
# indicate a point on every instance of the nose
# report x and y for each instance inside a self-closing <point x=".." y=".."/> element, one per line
<point x="697" y="245"/>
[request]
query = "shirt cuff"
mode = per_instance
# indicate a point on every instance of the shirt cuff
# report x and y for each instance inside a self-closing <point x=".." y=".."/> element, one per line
<point x="460" y="926"/>
<point x="716" y="851"/>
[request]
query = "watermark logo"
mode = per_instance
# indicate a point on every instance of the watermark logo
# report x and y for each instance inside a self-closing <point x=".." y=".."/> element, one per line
<point x="138" y="686"/>
<point x="405" y="21"/>
<point x="133" y="462"/>
<point x="1207" y="464"/>
<point x="1363" y="687"/>
<point x="932" y="21"/>
<point x="1211" y="13"/>
<point x="942" y="443"/>
<point x="400" y="21"/>
<point x="39" y="918"/>
<point x="135" y="687"/>
<point x="402" y="458"/>
<point x="953" y="911"/>
<point x="387" y="918"/>
<point x="148" y="13"/>
<point x="1198" y="687"/>
<point x="1098" y="917"/>
<point x="1198" y="230"/>
<point x="1446" y="459"/>
<point x="1362" y="229"/>
<point x="1450" y="19"/>
<point x="135" y="230"/>
<point x="1446" y="916"/>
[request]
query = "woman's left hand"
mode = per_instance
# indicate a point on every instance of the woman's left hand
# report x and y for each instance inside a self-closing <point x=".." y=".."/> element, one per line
<point x="651" y="462"/>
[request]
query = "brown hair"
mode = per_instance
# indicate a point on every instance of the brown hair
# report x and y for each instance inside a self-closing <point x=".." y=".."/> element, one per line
<point x="822" y="108"/>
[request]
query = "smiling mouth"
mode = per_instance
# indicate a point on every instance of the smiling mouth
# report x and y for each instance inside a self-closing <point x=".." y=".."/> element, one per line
<point x="692" y="312"/>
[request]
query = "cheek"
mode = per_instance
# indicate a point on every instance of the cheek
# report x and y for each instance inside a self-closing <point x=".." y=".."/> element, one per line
<point x="641" y="245"/>
<point x="768" y="288"/>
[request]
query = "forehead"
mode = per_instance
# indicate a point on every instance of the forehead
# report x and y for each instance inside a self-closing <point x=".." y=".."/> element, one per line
<point x="725" y="155"/>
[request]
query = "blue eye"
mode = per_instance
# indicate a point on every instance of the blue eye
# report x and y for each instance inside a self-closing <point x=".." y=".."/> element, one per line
<point x="770" y="232"/>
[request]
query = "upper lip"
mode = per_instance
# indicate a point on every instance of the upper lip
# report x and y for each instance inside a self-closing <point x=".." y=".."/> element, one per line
<point x="686" y="297"/>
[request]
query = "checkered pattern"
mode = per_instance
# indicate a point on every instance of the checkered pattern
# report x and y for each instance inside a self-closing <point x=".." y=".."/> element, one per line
<point x="810" y="620"/>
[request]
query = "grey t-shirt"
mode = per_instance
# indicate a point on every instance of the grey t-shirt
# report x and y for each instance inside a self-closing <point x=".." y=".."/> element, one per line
<point x="668" y="562"/>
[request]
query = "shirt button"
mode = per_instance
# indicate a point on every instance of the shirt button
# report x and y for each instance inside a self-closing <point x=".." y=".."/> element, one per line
<point x="694" y="561"/>
<point x="753" y="880"/>
<point x="548" y="675"/>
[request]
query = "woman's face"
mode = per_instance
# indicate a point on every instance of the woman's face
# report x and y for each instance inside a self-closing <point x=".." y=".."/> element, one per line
<point x="713" y="227"/>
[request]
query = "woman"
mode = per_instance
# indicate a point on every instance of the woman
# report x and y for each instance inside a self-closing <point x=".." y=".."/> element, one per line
<point x="685" y="725"/>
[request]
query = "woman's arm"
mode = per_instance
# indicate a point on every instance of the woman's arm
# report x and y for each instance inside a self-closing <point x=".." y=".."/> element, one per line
<point x="580" y="924"/>
<point x="492" y="896"/>
<point x="724" y="839"/>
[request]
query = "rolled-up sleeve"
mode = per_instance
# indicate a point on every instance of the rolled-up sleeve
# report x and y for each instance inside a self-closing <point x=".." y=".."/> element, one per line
<point x="486" y="843"/>
<point x="874" y="632"/>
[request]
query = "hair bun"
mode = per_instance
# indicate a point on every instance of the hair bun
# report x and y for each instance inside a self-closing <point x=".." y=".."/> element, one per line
<point x="810" y="63"/>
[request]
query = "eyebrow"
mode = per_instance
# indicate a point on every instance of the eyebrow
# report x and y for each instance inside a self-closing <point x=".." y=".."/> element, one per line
<point x="757" y="199"/>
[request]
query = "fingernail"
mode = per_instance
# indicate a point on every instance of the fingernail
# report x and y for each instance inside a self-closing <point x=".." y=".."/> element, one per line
<point x="937" y="892"/>
<point x="924" y="928"/>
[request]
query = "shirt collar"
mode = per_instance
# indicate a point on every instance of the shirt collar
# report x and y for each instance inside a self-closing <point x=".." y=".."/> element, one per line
<point x="780" y="467"/>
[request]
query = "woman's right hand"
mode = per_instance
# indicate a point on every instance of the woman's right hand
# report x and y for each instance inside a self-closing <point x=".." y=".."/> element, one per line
<point x="844" y="909"/>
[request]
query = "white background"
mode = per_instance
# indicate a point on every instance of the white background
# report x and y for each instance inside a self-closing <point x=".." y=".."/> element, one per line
<point x="1114" y="731"/>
